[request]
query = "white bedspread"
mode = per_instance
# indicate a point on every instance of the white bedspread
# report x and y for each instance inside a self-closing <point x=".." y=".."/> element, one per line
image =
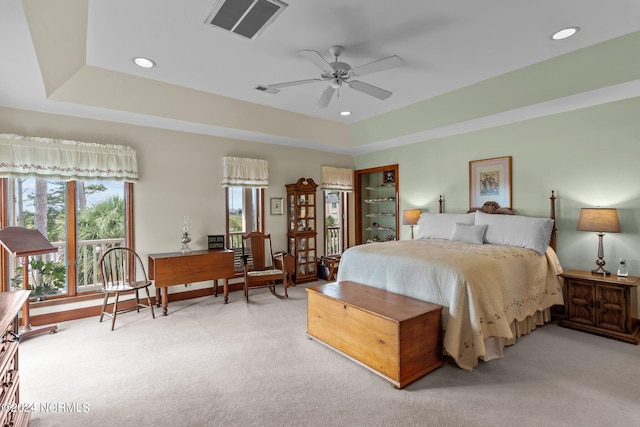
<point x="483" y="288"/>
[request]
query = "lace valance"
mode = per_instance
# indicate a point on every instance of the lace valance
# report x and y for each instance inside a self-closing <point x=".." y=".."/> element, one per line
<point x="340" y="179"/>
<point x="241" y="172"/>
<point x="65" y="160"/>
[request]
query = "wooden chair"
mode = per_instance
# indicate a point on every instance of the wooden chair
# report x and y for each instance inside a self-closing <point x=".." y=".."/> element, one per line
<point x="333" y="263"/>
<point x="121" y="267"/>
<point x="260" y="269"/>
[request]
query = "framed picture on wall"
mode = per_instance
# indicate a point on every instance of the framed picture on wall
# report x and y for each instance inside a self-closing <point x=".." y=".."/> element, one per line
<point x="389" y="176"/>
<point x="277" y="206"/>
<point x="490" y="181"/>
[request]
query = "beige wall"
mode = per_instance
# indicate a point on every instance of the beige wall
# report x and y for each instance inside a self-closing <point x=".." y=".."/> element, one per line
<point x="180" y="174"/>
<point x="589" y="157"/>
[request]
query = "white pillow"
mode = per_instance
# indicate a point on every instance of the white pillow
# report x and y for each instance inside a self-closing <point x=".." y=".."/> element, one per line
<point x="514" y="230"/>
<point x="440" y="226"/>
<point x="469" y="233"/>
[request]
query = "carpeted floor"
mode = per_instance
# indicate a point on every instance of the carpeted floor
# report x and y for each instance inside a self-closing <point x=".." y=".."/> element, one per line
<point x="210" y="364"/>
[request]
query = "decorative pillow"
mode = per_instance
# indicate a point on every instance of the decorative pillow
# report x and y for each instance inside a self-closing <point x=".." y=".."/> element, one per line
<point x="514" y="230"/>
<point x="440" y="225"/>
<point x="469" y="233"/>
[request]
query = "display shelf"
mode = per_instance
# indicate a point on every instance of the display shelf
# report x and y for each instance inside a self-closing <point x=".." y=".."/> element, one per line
<point x="376" y="195"/>
<point x="302" y="234"/>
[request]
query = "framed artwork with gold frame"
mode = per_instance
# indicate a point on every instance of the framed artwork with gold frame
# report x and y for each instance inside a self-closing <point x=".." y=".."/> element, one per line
<point x="490" y="181"/>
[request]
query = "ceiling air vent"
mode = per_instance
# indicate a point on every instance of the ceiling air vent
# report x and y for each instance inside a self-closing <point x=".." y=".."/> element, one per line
<point x="246" y="18"/>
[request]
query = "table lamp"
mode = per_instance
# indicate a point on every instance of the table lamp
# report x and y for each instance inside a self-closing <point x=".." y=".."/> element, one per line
<point x="410" y="217"/>
<point x="600" y="220"/>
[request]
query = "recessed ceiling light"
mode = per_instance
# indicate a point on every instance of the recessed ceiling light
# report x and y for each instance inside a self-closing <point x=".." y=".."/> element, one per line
<point x="345" y="113"/>
<point x="144" y="62"/>
<point x="565" y="33"/>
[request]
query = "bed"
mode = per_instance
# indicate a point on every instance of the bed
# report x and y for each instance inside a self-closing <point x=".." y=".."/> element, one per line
<point x="495" y="274"/>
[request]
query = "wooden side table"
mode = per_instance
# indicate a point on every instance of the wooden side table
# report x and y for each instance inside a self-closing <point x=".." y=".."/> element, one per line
<point x="602" y="305"/>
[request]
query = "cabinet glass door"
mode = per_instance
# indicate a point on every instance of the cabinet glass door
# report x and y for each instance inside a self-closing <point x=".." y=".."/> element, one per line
<point x="302" y="224"/>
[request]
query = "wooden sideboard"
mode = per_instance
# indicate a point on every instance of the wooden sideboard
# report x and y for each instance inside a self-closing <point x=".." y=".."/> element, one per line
<point x="178" y="268"/>
<point x="10" y="305"/>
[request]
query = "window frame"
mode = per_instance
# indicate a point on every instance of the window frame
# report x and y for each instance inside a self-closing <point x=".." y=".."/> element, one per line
<point x="71" y="237"/>
<point x="259" y="219"/>
<point x="344" y="224"/>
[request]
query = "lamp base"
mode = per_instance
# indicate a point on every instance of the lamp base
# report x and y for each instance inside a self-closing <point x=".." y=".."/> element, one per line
<point x="600" y="262"/>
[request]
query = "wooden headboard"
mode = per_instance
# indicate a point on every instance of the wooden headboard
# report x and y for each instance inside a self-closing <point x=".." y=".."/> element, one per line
<point x="495" y="208"/>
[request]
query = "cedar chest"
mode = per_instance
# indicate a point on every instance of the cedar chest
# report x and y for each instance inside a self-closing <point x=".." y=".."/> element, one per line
<point x="395" y="336"/>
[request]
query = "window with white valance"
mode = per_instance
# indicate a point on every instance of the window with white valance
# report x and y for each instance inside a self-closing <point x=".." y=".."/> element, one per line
<point x="340" y="179"/>
<point x="65" y="160"/>
<point x="241" y="172"/>
<point x="335" y="184"/>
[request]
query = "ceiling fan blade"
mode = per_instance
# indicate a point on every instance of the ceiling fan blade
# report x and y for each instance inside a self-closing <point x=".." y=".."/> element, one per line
<point x="379" y="65"/>
<point x="293" y="83"/>
<point x="369" y="90"/>
<point x="317" y="59"/>
<point x="326" y="97"/>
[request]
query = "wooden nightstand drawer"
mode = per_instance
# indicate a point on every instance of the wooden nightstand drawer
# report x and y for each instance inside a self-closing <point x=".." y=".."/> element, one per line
<point x="602" y="305"/>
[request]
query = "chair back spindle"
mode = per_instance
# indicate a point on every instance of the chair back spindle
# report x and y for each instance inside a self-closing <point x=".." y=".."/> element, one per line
<point x="123" y="271"/>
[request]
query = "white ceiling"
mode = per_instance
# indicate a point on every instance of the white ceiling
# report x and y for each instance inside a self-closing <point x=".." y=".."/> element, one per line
<point x="446" y="45"/>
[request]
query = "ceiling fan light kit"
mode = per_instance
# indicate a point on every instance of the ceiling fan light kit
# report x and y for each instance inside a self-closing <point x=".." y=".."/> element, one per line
<point x="336" y="73"/>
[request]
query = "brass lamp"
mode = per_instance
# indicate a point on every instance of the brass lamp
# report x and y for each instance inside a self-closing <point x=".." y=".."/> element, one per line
<point x="410" y="217"/>
<point x="600" y="220"/>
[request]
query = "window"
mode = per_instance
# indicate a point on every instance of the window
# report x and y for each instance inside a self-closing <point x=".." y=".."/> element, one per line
<point x="81" y="218"/>
<point x="335" y="214"/>
<point x="48" y="185"/>
<point x="100" y="225"/>
<point x="336" y="184"/>
<point x="245" y="211"/>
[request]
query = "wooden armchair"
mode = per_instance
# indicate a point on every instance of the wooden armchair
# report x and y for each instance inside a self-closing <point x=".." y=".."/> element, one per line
<point x="260" y="270"/>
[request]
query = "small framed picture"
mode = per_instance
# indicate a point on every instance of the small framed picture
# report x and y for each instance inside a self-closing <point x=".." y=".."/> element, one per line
<point x="277" y="206"/>
<point x="490" y="180"/>
<point x="389" y="176"/>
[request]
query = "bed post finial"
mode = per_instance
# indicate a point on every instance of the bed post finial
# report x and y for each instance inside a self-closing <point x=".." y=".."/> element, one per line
<point x="441" y="203"/>
<point x="552" y="242"/>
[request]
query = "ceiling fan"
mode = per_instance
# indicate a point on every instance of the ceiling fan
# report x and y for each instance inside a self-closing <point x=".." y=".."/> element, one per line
<point x="337" y="73"/>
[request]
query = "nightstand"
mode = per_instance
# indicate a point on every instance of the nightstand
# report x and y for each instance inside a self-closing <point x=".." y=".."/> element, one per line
<point x="602" y="305"/>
